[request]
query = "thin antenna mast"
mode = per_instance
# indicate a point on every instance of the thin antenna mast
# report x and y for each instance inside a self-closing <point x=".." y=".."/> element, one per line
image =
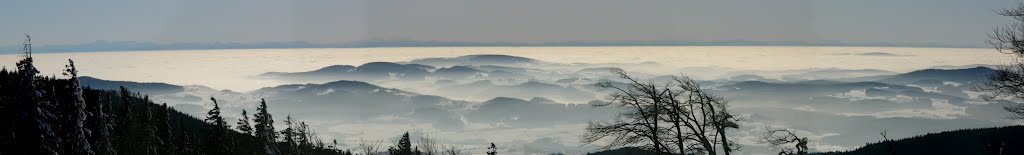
<point x="28" y="46"/>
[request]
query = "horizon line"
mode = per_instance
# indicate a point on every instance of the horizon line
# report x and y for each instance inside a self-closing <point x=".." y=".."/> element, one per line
<point x="113" y="46"/>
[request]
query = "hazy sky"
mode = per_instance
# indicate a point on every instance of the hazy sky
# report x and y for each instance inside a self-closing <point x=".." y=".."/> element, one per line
<point x="951" y="22"/>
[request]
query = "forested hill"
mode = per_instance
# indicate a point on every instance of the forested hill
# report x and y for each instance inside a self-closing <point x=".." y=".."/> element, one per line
<point x="42" y="115"/>
<point x="985" y="141"/>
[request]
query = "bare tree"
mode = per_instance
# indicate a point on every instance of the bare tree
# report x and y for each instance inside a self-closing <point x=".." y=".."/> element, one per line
<point x="1009" y="38"/>
<point x="428" y="145"/>
<point x="890" y="147"/>
<point x="781" y="139"/>
<point x="1008" y="80"/>
<point x="492" y="150"/>
<point x="370" y="147"/>
<point x="697" y="115"/>
<point x="452" y="150"/>
<point x="675" y="117"/>
<point x="637" y="126"/>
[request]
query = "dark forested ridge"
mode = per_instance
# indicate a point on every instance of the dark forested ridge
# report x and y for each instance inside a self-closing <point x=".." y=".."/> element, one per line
<point x="48" y="115"/>
<point x="986" y="141"/>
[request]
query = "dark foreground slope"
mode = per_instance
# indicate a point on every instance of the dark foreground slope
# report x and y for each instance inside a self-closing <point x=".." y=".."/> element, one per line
<point x="985" y="141"/>
<point x="41" y="115"/>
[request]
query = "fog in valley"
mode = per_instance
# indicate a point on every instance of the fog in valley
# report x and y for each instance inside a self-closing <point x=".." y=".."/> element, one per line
<point x="538" y="100"/>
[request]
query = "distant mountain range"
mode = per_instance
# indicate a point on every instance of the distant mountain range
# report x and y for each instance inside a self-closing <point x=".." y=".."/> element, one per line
<point x="363" y="101"/>
<point x="998" y="140"/>
<point x="148" y="88"/>
<point x="478" y="60"/>
<point x="103" y="45"/>
<point x="983" y="141"/>
<point x="829" y="74"/>
<point x="962" y="76"/>
<point x="496" y="92"/>
<point x="367" y="72"/>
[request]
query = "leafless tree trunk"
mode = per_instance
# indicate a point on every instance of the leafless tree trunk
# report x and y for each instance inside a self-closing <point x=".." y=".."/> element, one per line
<point x="637" y="126"/>
<point x="693" y="120"/>
<point x="427" y="145"/>
<point x="452" y="150"/>
<point x="779" y="139"/>
<point x="889" y="143"/>
<point x="370" y="147"/>
<point x="1008" y="81"/>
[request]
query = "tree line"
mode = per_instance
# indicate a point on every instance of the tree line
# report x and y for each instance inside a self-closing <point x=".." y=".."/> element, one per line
<point x="48" y="115"/>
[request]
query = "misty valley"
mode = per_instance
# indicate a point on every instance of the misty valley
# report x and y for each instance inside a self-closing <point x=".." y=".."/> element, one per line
<point x="530" y="106"/>
<point x="512" y="77"/>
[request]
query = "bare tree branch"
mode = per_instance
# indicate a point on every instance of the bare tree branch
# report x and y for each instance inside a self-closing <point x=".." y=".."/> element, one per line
<point x="676" y="117"/>
<point x="1008" y="80"/>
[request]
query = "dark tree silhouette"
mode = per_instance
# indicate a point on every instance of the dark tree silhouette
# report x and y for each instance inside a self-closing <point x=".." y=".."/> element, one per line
<point x="265" y="134"/>
<point x="369" y="147"/>
<point x="1008" y="80"/>
<point x="289" y="137"/>
<point x="74" y="132"/>
<point x="403" y="146"/>
<point x="217" y="136"/>
<point x="303" y="138"/>
<point x="48" y="115"/>
<point x="451" y="150"/>
<point x="676" y="117"/>
<point x="151" y="141"/>
<point x="428" y="145"/>
<point x="189" y="142"/>
<point x="492" y="150"/>
<point x="163" y="130"/>
<point x="30" y="127"/>
<point x="889" y="147"/>
<point x="127" y="124"/>
<point x="99" y="123"/>
<point x="243" y="124"/>
<point x="785" y="141"/>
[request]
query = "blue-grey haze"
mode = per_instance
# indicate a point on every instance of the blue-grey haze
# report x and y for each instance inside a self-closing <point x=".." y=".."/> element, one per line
<point x="193" y="24"/>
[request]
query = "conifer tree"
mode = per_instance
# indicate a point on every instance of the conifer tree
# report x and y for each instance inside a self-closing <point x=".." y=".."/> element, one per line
<point x="289" y="137"/>
<point x="74" y="136"/>
<point x="7" y="114"/>
<point x="246" y="141"/>
<point x="32" y="129"/>
<point x="264" y="129"/>
<point x="99" y="123"/>
<point x="243" y="124"/>
<point x="403" y="146"/>
<point x="217" y="134"/>
<point x="149" y="126"/>
<point x="163" y="121"/>
<point x="303" y="137"/>
<point x="187" y="140"/>
<point x="191" y="144"/>
<point x="125" y="124"/>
